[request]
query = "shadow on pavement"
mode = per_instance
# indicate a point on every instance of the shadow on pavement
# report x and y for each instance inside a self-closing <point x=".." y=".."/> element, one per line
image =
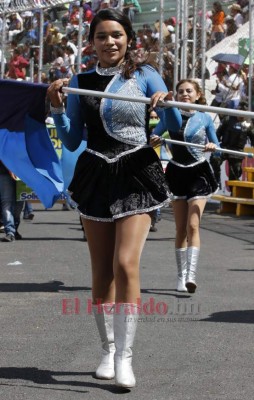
<point x="150" y="239"/>
<point x="242" y="270"/>
<point x="56" y="223"/>
<point x="52" y="238"/>
<point x="237" y="316"/>
<point x="184" y="295"/>
<point x="53" y="286"/>
<point x="48" y="377"/>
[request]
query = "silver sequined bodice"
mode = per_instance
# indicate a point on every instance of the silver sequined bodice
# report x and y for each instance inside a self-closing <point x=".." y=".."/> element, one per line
<point x="128" y="118"/>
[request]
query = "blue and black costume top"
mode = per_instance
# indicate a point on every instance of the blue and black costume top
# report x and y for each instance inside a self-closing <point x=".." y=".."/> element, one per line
<point x="188" y="173"/>
<point x="118" y="174"/>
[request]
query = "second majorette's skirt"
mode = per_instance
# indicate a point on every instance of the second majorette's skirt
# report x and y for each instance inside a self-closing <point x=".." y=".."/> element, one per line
<point x="106" y="189"/>
<point x="191" y="182"/>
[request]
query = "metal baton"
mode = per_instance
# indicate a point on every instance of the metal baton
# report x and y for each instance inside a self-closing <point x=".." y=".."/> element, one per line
<point x="201" y="146"/>
<point x="147" y="100"/>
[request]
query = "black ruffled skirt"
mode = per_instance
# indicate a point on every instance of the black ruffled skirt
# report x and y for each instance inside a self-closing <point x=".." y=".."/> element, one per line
<point x="107" y="189"/>
<point x="191" y="182"/>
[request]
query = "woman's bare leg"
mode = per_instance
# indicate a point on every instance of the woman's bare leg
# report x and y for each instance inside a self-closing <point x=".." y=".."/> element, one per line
<point x="195" y="212"/>
<point x="131" y="234"/>
<point x="101" y="243"/>
<point x="196" y="208"/>
<point x="180" y="209"/>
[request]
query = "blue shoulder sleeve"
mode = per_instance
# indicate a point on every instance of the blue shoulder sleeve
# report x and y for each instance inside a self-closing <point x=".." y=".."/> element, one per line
<point x="70" y="126"/>
<point x="210" y="130"/>
<point x="170" y="117"/>
<point x="171" y="120"/>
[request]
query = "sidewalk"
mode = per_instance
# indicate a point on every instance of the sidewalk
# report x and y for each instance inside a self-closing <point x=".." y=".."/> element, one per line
<point x="188" y="347"/>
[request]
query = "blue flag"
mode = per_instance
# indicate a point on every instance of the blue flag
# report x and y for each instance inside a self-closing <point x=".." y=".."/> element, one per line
<point x="25" y="145"/>
<point x="69" y="160"/>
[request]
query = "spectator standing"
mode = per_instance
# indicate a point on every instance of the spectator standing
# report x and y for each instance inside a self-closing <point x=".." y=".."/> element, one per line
<point x="245" y="9"/>
<point x="11" y="208"/>
<point x="236" y="13"/>
<point x="208" y="23"/>
<point x="56" y="35"/>
<point x="172" y="35"/>
<point x="130" y="8"/>
<point x="232" y="134"/>
<point x="104" y="4"/>
<point x="235" y="86"/>
<point x="28" y="211"/>
<point x="47" y="25"/>
<point x="15" y="26"/>
<point x="218" y="29"/>
<point x="231" y="27"/>
<point x="69" y="62"/>
<point x="33" y="33"/>
<point x="17" y="66"/>
<point x="48" y="49"/>
<point x="88" y="13"/>
<point x="65" y="42"/>
<point x="220" y="90"/>
<point x="57" y="69"/>
<point x="27" y="19"/>
<point x="73" y="20"/>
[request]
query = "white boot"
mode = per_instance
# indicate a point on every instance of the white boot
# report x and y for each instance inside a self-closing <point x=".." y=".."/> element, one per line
<point x="104" y="317"/>
<point x="192" y="262"/>
<point x="181" y="262"/>
<point x="125" y="324"/>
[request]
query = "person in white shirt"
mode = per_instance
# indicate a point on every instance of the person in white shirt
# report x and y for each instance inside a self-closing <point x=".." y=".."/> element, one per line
<point x="65" y="42"/>
<point x="234" y="84"/>
<point x="220" y="90"/>
<point x="235" y="11"/>
<point x="69" y="62"/>
<point x="15" y="26"/>
<point x="171" y="30"/>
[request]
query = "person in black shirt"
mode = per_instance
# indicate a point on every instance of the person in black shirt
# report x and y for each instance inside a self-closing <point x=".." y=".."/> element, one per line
<point x="233" y="134"/>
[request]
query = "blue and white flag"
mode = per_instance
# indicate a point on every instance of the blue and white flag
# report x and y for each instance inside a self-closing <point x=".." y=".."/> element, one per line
<point x="25" y="145"/>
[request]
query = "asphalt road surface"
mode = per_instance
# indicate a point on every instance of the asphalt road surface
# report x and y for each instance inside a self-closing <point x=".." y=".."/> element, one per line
<point x="188" y="347"/>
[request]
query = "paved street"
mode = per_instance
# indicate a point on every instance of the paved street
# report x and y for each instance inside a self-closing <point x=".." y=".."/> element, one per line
<point x="188" y="347"/>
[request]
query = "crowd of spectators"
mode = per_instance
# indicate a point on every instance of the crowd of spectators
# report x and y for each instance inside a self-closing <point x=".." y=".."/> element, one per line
<point x="61" y="35"/>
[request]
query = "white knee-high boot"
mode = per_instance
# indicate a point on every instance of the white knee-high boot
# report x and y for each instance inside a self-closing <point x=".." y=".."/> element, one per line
<point x="125" y="324"/>
<point x="181" y="262"/>
<point x="192" y="262"/>
<point x="104" y="317"/>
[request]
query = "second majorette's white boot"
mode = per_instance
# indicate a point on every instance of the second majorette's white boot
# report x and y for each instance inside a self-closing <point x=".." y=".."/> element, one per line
<point x="192" y="262"/>
<point x="125" y="324"/>
<point x="181" y="262"/>
<point x="104" y="317"/>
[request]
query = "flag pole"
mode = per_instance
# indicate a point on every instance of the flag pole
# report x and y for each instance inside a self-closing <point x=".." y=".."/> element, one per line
<point x="147" y="100"/>
<point x="201" y="146"/>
